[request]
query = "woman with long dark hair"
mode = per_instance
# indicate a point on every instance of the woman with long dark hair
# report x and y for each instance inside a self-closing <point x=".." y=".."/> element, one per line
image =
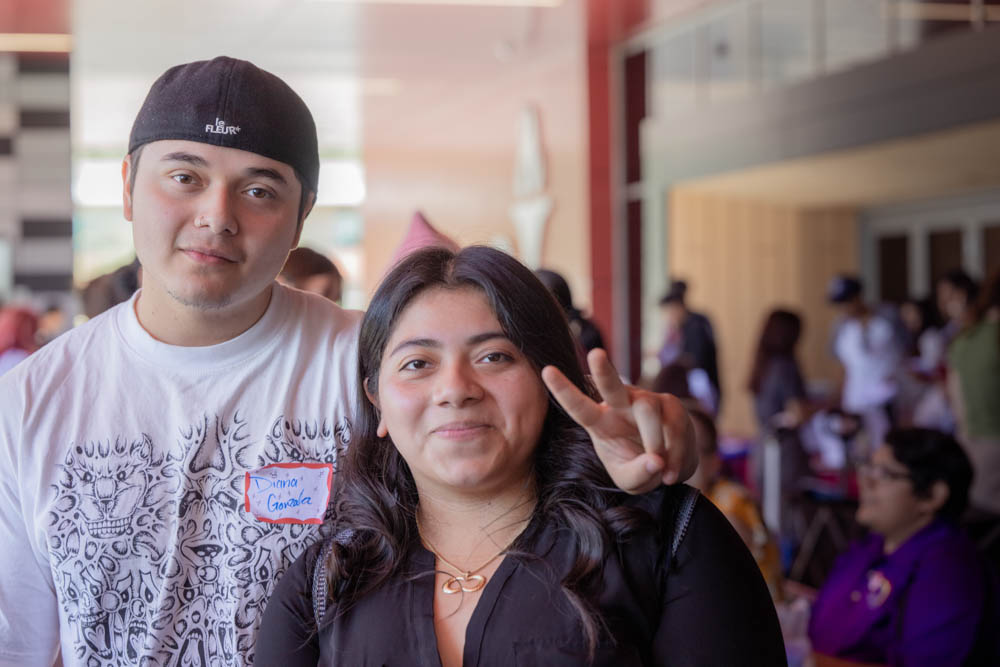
<point x="475" y="525"/>
<point x="775" y="379"/>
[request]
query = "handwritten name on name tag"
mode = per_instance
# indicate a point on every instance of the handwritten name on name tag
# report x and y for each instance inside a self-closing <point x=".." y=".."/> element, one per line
<point x="289" y="492"/>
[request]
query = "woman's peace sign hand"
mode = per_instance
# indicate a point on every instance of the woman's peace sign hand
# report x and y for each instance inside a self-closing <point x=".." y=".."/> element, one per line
<point x="643" y="438"/>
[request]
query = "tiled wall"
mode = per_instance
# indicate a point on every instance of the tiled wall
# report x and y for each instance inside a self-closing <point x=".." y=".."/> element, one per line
<point x="36" y="211"/>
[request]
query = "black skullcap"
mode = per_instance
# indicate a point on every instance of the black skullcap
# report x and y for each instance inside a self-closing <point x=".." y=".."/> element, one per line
<point x="675" y="293"/>
<point x="843" y="288"/>
<point x="232" y="103"/>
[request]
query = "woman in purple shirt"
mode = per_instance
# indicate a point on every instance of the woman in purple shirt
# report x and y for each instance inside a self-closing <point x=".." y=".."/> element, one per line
<point x="915" y="592"/>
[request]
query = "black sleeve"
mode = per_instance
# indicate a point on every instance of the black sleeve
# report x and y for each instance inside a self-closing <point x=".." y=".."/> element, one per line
<point x="716" y="606"/>
<point x="287" y="635"/>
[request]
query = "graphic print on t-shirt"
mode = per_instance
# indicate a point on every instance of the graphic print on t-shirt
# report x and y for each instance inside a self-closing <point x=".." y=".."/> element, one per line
<point x="153" y="557"/>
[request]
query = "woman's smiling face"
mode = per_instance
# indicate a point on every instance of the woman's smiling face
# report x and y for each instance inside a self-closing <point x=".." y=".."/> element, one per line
<point x="462" y="404"/>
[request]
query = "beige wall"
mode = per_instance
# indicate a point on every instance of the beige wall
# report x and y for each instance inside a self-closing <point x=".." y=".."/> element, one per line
<point x="742" y="258"/>
<point x="467" y="196"/>
<point x="445" y="143"/>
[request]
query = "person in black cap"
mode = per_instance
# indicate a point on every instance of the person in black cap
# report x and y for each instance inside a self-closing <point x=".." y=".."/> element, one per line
<point x="163" y="464"/>
<point x="690" y="342"/>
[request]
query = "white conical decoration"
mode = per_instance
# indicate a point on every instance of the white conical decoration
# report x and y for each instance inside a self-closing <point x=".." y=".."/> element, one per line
<point x="530" y="216"/>
<point x="531" y="208"/>
<point x="529" y="171"/>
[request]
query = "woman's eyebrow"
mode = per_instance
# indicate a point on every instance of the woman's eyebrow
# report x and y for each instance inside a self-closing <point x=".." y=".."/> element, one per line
<point x="434" y="343"/>
<point x="483" y="337"/>
<point x="415" y="342"/>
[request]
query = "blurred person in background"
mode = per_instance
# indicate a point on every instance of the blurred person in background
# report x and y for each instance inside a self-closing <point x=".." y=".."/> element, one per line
<point x="779" y="392"/>
<point x="922" y="400"/>
<point x="926" y="352"/>
<point x="18" y="328"/>
<point x="52" y="322"/>
<point x="308" y="270"/>
<point x="915" y="591"/>
<point x="586" y="333"/>
<point x="690" y="341"/>
<point x="955" y="294"/>
<point x="974" y="389"/>
<point x="686" y="383"/>
<point x="781" y="406"/>
<point x="110" y="289"/>
<point x="869" y="348"/>
<point x="734" y="500"/>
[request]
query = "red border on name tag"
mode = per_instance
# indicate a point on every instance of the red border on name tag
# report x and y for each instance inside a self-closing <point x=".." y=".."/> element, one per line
<point x="329" y="484"/>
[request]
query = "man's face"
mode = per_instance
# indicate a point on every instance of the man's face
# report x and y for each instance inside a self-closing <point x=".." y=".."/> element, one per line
<point x="212" y="226"/>
<point x="944" y="293"/>
<point x="673" y="315"/>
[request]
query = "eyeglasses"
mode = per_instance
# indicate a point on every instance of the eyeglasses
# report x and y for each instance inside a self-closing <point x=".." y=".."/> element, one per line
<point x="880" y="473"/>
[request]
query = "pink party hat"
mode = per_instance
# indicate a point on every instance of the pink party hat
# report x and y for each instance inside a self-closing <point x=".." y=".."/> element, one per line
<point x="421" y="234"/>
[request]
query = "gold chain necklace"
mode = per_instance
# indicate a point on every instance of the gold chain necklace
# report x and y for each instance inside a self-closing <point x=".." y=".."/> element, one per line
<point x="467" y="581"/>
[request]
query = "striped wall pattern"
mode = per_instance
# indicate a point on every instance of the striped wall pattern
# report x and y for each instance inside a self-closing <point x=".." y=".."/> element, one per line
<point x="36" y="211"/>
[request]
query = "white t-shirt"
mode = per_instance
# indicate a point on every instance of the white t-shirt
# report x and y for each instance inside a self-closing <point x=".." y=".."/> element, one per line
<point x="10" y="358"/>
<point x="871" y="354"/>
<point x="123" y="532"/>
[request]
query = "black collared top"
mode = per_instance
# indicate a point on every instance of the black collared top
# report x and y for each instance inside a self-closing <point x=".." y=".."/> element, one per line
<point x="709" y="606"/>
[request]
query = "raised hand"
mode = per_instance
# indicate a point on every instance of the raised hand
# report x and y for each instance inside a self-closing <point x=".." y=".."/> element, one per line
<point x="643" y="438"/>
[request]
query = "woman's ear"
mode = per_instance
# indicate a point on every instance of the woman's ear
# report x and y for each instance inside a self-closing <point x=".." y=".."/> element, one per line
<point x="938" y="496"/>
<point x="381" y="430"/>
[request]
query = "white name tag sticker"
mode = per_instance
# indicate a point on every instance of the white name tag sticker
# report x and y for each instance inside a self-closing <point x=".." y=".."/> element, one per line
<point x="289" y="492"/>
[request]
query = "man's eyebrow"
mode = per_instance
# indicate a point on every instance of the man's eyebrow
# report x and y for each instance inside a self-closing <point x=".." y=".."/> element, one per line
<point x="181" y="156"/>
<point x="198" y="161"/>
<point x="264" y="172"/>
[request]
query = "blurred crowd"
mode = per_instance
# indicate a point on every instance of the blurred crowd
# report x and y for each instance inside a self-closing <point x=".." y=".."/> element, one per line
<point x="903" y="457"/>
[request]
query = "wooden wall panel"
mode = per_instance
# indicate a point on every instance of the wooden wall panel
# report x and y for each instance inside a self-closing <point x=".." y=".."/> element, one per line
<point x="742" y="258"/>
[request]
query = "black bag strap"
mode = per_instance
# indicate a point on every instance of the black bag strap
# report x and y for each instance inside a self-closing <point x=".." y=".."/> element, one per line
<point x="319" y="592"/>
<point x="685" y="508"/>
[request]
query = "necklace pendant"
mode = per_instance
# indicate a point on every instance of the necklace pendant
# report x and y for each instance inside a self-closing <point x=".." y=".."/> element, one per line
<point x="469" y="583"/>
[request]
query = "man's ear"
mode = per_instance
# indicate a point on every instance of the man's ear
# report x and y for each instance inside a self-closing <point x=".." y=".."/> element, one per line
<point x="127" y="188"/>
<point x="306" y="210"/>
<point x="381" y="430"/>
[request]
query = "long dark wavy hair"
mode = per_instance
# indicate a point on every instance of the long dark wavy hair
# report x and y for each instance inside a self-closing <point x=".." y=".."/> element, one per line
<point x="376" y="499"/>
<point x="778" y="339"/>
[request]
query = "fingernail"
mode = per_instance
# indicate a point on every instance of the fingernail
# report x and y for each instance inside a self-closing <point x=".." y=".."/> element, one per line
<point x="669" y="477"/>
<point x="652" y="466"/>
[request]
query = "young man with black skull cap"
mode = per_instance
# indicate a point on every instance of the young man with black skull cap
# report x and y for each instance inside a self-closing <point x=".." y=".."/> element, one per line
<point x="161" y="465"/>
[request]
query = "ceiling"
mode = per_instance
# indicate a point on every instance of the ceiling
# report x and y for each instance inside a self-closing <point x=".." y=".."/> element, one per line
<point x="376" y="73"/>
<point x="399" y="67"/>
<point x="921" y="167"/>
